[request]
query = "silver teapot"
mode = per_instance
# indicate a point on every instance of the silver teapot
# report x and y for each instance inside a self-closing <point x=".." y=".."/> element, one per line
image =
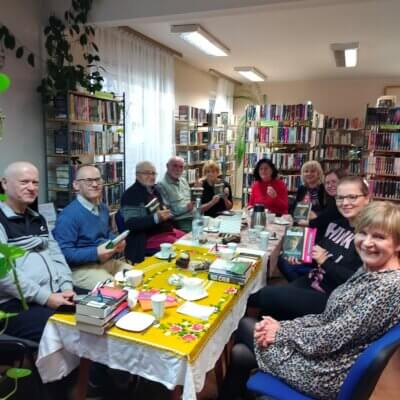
<point x="258" y="216"/>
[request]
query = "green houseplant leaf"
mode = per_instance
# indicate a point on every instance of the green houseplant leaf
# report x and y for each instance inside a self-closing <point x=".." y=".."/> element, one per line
<point x="5" y="315"/>
<point x="18" y="373"/>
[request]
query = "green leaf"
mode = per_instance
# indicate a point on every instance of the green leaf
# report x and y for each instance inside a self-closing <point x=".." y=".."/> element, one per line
<point x="10" y="251"/>
<point x="20" y="52"/>
<point x="17" y="373"/>
<point x="4" y="315"/>
<point x="31" y="60"/>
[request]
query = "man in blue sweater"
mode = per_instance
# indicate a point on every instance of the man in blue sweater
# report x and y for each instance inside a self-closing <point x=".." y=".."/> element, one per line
<point x="82" y="232"/>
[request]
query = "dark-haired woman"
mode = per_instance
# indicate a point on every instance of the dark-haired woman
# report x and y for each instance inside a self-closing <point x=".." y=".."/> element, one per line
<point x="268" y="189"/>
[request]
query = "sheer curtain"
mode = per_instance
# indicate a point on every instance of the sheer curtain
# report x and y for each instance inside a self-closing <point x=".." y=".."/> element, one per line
<point x="224" y="98"/>
<point x="145" y="73"/>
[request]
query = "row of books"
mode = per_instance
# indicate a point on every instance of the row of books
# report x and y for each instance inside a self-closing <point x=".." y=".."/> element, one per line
<point x="112" y="194"/>
<point x="292" y="182"/>
<point x="188" y="113"/>
<point x="87" y="141"/>
<point x="192" y="175"/>
<point x="280" y="112"/>
<point x="217" y="136"/>
<point x="98" y="311"/>
<point x="282" y="161"/>
<point x="383" y="115"/>
<point x="343" y="123"/>
<point x="353" y="168"/>
<point x="388" y="189"/>
<point x="382" y="165"/>
<point x="84" y="108"/>
<point x="279" y="134"/>
<point x="192" y="137"/>
<point x="111" y="171"/>
<point x="343" y="137"/>
<point x="193" y="156"/>
<point x="384" y="141"/>
<point x="333" y="153"/>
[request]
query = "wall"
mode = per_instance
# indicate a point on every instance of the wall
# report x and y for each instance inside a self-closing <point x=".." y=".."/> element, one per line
<point x="339" y="98"/>
<point x="192" y="86"/>
<point x="23" y="136"/>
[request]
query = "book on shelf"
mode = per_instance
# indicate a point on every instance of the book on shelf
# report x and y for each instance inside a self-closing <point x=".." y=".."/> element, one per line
<point x="112" y="194"/>
<point x="385" y="189"/>
<point x="298" y="242"/>
<point x="101" y="302"/>
<point x="301" y="211"/>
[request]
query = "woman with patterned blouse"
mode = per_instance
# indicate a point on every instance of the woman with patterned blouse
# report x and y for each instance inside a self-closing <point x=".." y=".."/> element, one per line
<point x="314" y="353"/>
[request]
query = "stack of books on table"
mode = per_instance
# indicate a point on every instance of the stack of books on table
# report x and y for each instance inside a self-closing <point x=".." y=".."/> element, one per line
<point x="237" y="271"/>
<point x="99" y="310"/>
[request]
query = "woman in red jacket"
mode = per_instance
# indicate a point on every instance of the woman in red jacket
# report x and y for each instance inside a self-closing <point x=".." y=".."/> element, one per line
<point x="268" y="189"/>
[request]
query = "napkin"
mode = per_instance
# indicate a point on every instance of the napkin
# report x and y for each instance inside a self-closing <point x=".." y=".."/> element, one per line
<point x="196" y="310"/>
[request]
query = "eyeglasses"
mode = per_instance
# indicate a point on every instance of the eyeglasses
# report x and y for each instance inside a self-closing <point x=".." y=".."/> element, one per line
<point x="91" y="181"/>
<point x="147" y="173"/>
<point x="352" y="198"/>
<point x="27" y="182"/>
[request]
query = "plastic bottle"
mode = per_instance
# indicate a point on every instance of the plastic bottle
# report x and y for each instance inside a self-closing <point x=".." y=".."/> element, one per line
<point x="197" y="222"/>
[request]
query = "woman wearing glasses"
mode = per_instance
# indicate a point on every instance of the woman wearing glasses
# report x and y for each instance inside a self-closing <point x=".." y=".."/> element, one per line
<point x="334" y="261"/>
<point x="144" y="214"/>
<point x="315" y="352"/>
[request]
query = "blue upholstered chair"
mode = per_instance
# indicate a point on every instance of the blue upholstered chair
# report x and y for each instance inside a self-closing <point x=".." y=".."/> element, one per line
<point x="359" y="383"/>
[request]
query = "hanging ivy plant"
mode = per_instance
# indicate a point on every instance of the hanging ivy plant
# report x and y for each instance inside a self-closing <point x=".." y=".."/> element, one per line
<point x="62" y="73"/>
<point x="8" y="41"/>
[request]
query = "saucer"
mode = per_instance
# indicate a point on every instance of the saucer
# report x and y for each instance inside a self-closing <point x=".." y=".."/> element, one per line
<point x="187" y="295"/>
<point x="135" y="321"/>
<point x="281" y="221"/>
<point x="211" y="230"/>
<point x="161" y="257"/>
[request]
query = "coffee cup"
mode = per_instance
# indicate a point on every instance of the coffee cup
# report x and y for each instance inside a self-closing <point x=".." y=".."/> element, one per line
<point x="134" y="277"/>
<point x="132" y="298"/>
<point x="264" y="239"/>
<point x="252" y="234"/>
<point x="259" y="229"/>
<point x="165" y="249"/>
<point x="193" y="285"/>
<point x="271" y="218"/>
<point x="206" y="221"/>
<point x="158" y="305"/>
<point x="232" y="246"/>
<point x="226" y="253"/>
<point x="216" y="223"/>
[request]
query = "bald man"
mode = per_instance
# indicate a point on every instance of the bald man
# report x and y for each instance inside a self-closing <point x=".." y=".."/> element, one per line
<point x="44" y="275"/>
<point x="82" y="230"/>
<point x="175" y="192"/>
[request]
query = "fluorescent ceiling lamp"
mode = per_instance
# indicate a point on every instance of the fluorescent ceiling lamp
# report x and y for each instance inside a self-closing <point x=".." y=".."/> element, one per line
<point x="346" y="54"/>
<point x="200" y="38"/>
<point x="251" y="73"/>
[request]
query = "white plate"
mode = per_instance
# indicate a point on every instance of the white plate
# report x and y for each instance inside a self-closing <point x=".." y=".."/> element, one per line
<point x="281" y="221"/>
<point x="135" y="321"/>
<point x="187" y="295"/>
<point x="196" y="310"/>
<point x="161" y="257"/>
<point x="211" y="230"/>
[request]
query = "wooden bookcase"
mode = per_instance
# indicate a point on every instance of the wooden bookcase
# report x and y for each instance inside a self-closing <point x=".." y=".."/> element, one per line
<point x="81" y="128"/>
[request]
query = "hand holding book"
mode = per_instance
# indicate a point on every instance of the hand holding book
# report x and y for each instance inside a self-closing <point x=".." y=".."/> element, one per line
<point x="271" y="192"/>
<point x="319" y="254"/>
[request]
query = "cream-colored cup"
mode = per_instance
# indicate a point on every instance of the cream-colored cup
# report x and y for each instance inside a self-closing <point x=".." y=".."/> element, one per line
<point x="166" y="249"/>
<point x="193" y="285"/>
<point x="134" y="277"/>
<point x="158" y="305"/>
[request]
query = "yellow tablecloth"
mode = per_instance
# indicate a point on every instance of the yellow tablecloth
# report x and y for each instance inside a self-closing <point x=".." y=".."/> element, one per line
<point x="180" y="334"/>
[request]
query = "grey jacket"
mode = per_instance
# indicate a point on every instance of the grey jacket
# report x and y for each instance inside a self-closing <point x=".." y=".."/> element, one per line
<point x="43" y="269"/>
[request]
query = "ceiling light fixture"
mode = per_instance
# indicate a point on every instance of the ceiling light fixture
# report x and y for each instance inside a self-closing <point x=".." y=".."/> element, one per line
<point x="251" y="73"/>
<point x="200" y="38"/>
<point x="346" y="54"/>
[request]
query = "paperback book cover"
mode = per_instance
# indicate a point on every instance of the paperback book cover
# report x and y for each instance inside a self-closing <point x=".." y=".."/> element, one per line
<point x="298" y="242"/>
<point x="302" y="211"/>
<point x="144" y="299"/>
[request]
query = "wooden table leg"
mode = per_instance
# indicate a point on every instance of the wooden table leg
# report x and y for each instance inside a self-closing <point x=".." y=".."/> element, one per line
<point x="176" y="394"/>
<point x="83" y="379"/>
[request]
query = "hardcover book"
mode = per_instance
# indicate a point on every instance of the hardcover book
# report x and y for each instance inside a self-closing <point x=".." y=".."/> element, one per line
<point x="298" y="242"/>
<point x="302" y="211"/>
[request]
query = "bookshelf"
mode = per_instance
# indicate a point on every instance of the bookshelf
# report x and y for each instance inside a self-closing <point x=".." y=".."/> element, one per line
<point x="381" y="162"/>
<point x="341" y="145"/>
<point x="282" y="133"/>
<point x="81" y="128"/>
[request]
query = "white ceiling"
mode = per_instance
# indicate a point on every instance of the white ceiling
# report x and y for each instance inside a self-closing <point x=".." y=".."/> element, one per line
<point x="290" y="40"/>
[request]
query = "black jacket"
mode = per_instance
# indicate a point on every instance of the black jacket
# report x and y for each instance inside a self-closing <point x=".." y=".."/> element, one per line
<point x="301" y="193"/>
<point x="143" y="226"/>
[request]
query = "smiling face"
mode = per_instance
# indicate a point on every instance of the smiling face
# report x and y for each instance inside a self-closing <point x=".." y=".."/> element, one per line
<point x="330" y="184"/>
<point x="265" y="172"/>
<point x="377" y="248"/>
<point x="212" y="175"/>
<point x="146" y="175"/>
<point x="311" y="176"/>
<point x="350" y="200"/>
<point x="175" y="168"/>
<point x="89" y="183"/>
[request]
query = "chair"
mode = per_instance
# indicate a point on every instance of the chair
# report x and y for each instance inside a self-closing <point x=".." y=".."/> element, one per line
<point x="359" y="383"/>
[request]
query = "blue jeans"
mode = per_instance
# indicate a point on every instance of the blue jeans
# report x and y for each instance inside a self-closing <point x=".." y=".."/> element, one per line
<point x="293" y="271"/>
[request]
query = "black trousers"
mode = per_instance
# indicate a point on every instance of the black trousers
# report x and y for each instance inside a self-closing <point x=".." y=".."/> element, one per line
<point x="287" y="302"/>
<point x="243" y="361"/>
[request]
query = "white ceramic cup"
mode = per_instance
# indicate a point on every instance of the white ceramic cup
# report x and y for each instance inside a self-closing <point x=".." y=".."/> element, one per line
<point x="134" y="277"/>
<point x="216" y="223"/>
<point x="226" y="253"/>
<point x="264" y="239"/>
<point x="259" y="229"/>
<point x="232" y="246"/>
<point x="158" y="305"/>
<point x="206" y="221"/>
<point x="132" y="297"/>
<point x="271" y="218"/>
<point x="165" y="249"/>
<point x="252" y="234"/>
<point x="193" y="285"/>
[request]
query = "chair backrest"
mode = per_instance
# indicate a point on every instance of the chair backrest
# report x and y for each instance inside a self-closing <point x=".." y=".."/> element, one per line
<point x="119" y="221"/>
<point x="365" y="372"/>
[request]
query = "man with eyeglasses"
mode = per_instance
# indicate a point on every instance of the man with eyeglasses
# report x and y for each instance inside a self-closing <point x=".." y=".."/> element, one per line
<point x="175" y="191"/>
<point x="43" y="273"/>
<point x="144" y="214"/>
<point x="82" y="231"/>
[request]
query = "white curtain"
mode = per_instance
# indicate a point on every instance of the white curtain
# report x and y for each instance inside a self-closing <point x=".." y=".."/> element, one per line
<point x="224" y="100"/>
<point x="145" y="73"/>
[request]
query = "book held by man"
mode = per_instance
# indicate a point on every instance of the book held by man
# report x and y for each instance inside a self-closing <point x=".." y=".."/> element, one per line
<point x="298" y="242"/>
